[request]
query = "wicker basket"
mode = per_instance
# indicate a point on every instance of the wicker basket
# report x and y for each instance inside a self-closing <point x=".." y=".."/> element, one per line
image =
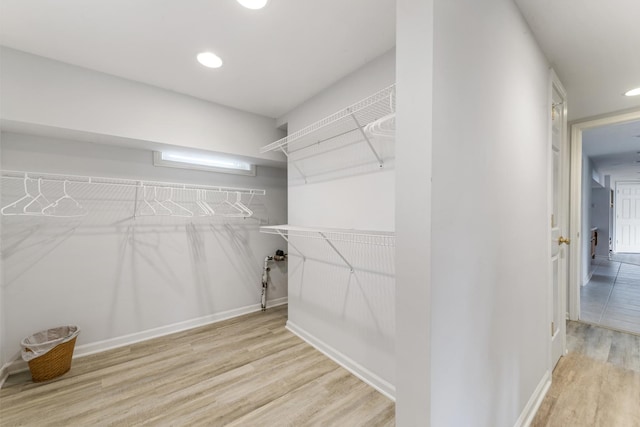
<point x="55" y="361"/>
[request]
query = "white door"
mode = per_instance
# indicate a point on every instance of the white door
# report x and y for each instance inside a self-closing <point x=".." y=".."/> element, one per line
<point x="627" y="216"/>
<point x="559" y="220"/>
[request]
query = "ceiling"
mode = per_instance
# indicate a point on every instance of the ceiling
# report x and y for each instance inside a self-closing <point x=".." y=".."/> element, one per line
<point x="274" y="58"/>
<point x="594" y="47"/>
<point x="614" y="149"/>
<point x="278" y="57"/>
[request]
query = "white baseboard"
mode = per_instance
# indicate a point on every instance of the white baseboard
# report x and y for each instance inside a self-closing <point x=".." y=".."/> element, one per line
<point x="99" y="346"/>
<point x="349" y="364"/>
<point x="19" y="365"/>
<point x="4" y="374"/>
<point x="529" y="411"/>
<point x="14" y="365"/>
<point x="586" y="280"/>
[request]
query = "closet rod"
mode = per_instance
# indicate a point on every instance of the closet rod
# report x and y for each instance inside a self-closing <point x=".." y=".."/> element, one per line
<point x="125" y="182"/>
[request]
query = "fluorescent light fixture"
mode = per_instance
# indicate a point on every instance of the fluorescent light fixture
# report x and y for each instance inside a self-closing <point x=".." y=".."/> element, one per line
<point x="253" y="4"/>
<point x="216" y="162"/>
<point x="208" y="162"/>
<point x="209" y="59"/>
<point x="633" y="92"/>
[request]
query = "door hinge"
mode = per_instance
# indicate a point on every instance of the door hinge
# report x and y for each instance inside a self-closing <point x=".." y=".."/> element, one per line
<point x="553" y="328"/>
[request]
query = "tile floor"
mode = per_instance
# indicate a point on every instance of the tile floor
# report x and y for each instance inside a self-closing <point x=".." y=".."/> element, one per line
<point x="612" y="296"/>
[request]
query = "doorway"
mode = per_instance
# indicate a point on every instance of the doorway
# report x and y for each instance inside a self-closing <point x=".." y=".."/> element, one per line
<point x="604" y="158"/>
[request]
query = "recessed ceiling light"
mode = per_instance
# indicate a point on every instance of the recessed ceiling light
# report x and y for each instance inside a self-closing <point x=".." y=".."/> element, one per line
<point x="633" y="92"/>
<point x="210" y="60"/>
<point x="253" y="4"/>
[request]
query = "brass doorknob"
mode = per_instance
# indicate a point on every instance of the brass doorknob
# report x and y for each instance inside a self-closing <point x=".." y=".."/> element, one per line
<point x="564" y="240"/>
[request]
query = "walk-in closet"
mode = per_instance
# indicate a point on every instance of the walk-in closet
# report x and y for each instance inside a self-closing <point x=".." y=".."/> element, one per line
<point x="297" y="213"/>
<point x="220" y="265"/>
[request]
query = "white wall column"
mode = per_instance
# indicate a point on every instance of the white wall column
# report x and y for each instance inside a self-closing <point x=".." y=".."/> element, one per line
<point x="414" y="75"/>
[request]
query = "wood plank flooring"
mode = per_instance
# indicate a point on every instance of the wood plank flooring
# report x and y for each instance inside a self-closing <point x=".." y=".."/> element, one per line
<point x="246" y="371"/>
<point x="597" y="383"/>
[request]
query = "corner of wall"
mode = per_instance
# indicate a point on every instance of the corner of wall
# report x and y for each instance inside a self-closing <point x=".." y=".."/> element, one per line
<point x="3" y="370"/>
<point x="357" y="369"/>
<point x="414" y="76"/>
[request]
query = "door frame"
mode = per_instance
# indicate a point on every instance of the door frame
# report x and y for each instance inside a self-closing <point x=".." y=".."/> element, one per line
<point x="575" y="199"/>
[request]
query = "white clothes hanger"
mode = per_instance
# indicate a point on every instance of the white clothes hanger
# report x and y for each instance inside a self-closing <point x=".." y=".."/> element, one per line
<point x="27" y="196"/>
<point x="383" y="127"/>
<point x="239" y="211"/>
<point x="146" y="202"/>
<point x="51" y="209"/>
<point x="242" y="206"/>
<point x="201" y="196"/>
<point x="183" y="212"/>
<point x="40" y="200"/>
<point x="163" y="209"/>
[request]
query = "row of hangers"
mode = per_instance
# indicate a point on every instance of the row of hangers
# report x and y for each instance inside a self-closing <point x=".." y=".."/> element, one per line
<point x="154" y="206"/>
<point x="383" y="127"/>
<point x="37" y="204"/>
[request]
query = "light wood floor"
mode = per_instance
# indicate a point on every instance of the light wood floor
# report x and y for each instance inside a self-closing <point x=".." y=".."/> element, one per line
<point x="597" y="383"/>
<point x="247" y="371"/>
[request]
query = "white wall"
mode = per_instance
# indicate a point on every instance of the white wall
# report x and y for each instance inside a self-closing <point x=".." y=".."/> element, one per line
<point x="600" y="217"/>
<point x="414" y="72"/>
<point x="360" y="198"/>
<point x="373" y="76"/>
<point x="42" y="92"/>
<point x="2" y="305"/>
<point x="587" y="177"/>
<point x="489" y="343"/>
<point x="113" y="275"/>
<point x="349" y="315"/>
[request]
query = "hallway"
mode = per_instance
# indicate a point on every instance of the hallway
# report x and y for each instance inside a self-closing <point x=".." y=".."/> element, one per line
<point x="612" y="296"/>
<point x="597" y="383"/>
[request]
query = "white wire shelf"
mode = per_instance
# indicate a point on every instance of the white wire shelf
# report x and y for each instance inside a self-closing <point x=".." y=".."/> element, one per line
<point x="360" y="122"/>
<point x="330" y="235"/>
<point x="379" y="238"/>
<point x="56" y="195"/>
